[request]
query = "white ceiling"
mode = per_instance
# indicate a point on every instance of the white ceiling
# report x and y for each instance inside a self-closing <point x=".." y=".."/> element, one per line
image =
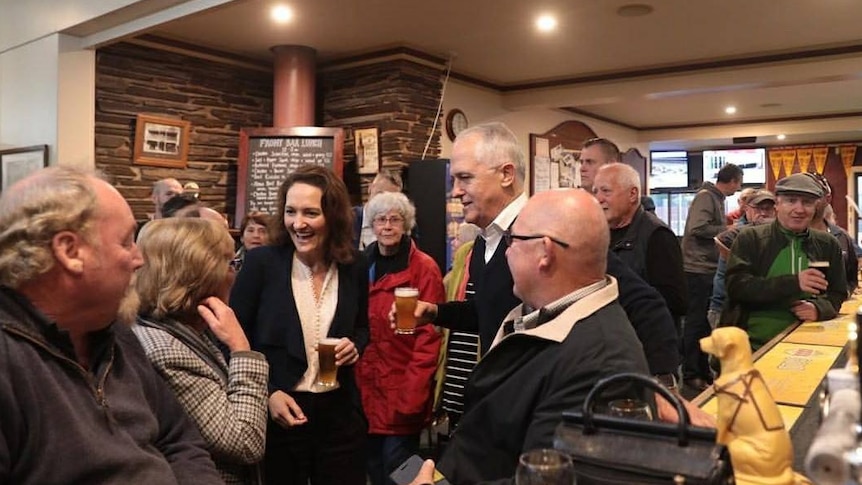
<point x="777" y="61"/>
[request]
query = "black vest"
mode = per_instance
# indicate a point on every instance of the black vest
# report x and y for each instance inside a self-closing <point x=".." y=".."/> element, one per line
<point x="632" y="248"/>
<point x="493" y="284"/>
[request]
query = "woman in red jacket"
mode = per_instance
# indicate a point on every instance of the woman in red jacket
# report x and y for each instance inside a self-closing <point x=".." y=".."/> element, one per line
<point x="396" y="372"/>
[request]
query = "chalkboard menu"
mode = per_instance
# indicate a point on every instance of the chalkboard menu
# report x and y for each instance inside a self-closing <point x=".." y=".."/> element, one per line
<point x="268" y="155"/>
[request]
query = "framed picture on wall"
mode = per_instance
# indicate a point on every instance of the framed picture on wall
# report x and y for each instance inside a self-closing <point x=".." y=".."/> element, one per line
<point x="161" y="141"/>
<point x="367" y="152"/>
<point x="17" y="163"/>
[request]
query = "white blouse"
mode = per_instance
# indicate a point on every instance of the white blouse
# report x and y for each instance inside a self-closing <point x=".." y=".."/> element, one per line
<point x="315" y="315"/>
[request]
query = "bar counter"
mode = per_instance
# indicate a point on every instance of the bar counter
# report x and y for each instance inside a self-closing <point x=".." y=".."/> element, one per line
<point x="794" y="364"/>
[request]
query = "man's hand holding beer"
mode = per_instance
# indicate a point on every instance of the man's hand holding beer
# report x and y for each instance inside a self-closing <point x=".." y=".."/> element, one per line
<point x="425" y="313"/>
<point x="812" y="281"/>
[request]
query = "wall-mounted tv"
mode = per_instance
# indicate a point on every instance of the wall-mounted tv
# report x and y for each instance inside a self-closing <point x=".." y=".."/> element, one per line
<point x="668" y="170"/>
<point x="751" y="160"/>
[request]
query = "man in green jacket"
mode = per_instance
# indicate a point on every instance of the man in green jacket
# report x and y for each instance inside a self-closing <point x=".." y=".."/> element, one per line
<point x="771" y="283"/>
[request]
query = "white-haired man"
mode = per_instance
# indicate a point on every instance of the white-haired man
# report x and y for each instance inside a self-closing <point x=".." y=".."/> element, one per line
<point x="640" y="238"/>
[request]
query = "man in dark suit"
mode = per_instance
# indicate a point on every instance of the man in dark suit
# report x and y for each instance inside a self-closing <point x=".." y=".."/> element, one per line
<point x="487" y="169"/>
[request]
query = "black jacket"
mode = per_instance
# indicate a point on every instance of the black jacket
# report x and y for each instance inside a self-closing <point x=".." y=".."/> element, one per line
<point x="262" y="298"/>
<point x="649" y="316"/>
<point x="652" y="250"/>
<point x="518" y="392"/>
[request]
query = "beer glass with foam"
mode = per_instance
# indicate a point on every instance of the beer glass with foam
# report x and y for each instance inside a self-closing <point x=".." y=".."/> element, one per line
<point x="405" y="306"/>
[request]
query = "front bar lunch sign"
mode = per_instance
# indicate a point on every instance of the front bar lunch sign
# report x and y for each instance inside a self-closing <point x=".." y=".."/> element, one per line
<point x="268" y="155"/>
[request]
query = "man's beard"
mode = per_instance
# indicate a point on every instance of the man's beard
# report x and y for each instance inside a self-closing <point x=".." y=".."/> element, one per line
<point x="129" y="305"/>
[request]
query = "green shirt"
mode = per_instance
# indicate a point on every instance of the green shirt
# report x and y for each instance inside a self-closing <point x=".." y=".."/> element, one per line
<point x="767" y="322"/>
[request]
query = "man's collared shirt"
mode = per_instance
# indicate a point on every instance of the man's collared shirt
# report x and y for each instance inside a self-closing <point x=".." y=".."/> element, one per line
<point x="537" y="317"/>
<point x="493" y="234"/>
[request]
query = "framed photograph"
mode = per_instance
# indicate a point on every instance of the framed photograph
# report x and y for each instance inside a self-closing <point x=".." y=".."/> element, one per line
<point x="367" y="153"/>
<point x="17" y="163"/>
<point x="161" y="141"/>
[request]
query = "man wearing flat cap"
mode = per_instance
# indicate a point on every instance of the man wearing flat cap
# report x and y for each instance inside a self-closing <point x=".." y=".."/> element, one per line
<point x="771" y="283"/>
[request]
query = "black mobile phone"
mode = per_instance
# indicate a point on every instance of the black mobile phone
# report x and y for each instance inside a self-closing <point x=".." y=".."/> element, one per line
<point x="407" y="471"/>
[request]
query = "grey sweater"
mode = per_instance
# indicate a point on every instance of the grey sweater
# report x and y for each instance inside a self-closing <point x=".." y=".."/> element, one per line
<point x="62" y="423"/>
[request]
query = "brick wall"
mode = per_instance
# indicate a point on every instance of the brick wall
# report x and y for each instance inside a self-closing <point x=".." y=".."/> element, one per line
<point x="218" y="99"/>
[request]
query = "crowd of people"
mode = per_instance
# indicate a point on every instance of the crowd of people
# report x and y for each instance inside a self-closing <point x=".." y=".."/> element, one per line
<point x="167" y="355"/>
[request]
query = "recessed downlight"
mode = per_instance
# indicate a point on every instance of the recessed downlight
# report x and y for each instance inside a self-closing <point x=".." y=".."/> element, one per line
<point x="281" y="14"/>
<point x="730" y="110"/>
<point x="546" y="23"/>
<point x="781" y="136"/>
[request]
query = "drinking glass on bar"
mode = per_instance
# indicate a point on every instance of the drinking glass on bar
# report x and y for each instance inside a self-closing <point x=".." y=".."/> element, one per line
<point x="328" y="375"/>
<point x="630" y="408"/>
<point x="405" y="307"/>
<point x="545" y="467"/>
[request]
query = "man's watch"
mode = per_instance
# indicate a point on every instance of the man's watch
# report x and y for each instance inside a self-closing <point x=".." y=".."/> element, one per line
<point x="668" y="380"/>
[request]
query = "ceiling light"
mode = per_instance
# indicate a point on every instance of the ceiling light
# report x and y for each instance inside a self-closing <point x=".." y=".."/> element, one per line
<point x="781" y="137"/>
<point x="546" y="23"/>
<point x="635" y="10"/>
<point x="281" y="14"/>
<point x="730" y="110"/>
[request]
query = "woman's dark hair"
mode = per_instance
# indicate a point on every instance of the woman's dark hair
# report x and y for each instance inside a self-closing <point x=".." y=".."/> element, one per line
<point x="335" y="203"/>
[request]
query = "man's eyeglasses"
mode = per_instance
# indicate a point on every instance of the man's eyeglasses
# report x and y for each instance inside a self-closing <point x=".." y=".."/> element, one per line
<point x="508" y="237"/>
<point x="382" y="220"/>
<point x="235" y="264"/>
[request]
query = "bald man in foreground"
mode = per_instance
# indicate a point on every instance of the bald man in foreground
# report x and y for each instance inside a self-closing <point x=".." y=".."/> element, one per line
<point x="550" y="351"/>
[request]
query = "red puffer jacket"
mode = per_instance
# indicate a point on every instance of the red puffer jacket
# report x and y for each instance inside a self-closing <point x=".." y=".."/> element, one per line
<point x="395" y="372"/>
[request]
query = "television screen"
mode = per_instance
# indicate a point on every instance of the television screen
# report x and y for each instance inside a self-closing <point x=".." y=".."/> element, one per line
<point x="668" y="170"/>
<point x="751" y="160"/>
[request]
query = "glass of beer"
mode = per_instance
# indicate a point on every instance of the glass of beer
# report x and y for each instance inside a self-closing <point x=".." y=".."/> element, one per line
<point x="328" y="376"/>
<point x="822" y="266"/>
<point x="405" y="307"/>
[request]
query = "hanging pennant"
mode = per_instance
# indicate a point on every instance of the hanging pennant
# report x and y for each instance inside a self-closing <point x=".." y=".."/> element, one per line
<point x="787" y="159"/>
<point x="804" y="157"/>
<point x="775" y="162"/>
<point x="820" y="154"/>
<point x="848" y="154"/>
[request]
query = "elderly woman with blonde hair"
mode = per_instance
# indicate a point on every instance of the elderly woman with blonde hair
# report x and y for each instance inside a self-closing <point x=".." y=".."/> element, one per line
<point x="187" y="274"/>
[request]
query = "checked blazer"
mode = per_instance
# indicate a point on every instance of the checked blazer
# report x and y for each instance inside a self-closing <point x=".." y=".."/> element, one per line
<point x="227" y="402"/>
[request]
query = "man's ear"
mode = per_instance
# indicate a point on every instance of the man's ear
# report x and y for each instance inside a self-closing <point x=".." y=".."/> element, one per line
<point x="634" y="195"/>
<point x="67" y="249"/>
<point x="508" y="172"/>
<point x="547" y="259"/>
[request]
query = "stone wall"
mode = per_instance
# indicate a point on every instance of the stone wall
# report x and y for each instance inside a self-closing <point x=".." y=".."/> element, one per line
<point x="399" y="98"/>
<point x="217" y="98"/>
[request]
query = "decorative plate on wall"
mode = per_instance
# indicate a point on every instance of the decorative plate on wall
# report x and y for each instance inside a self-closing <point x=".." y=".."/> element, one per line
<point x="456" y="122"/>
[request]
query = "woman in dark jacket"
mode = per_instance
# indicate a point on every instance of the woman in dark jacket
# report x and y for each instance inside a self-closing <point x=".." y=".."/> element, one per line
<point x="309" y="284"/>
<point x="395" y="375"/>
